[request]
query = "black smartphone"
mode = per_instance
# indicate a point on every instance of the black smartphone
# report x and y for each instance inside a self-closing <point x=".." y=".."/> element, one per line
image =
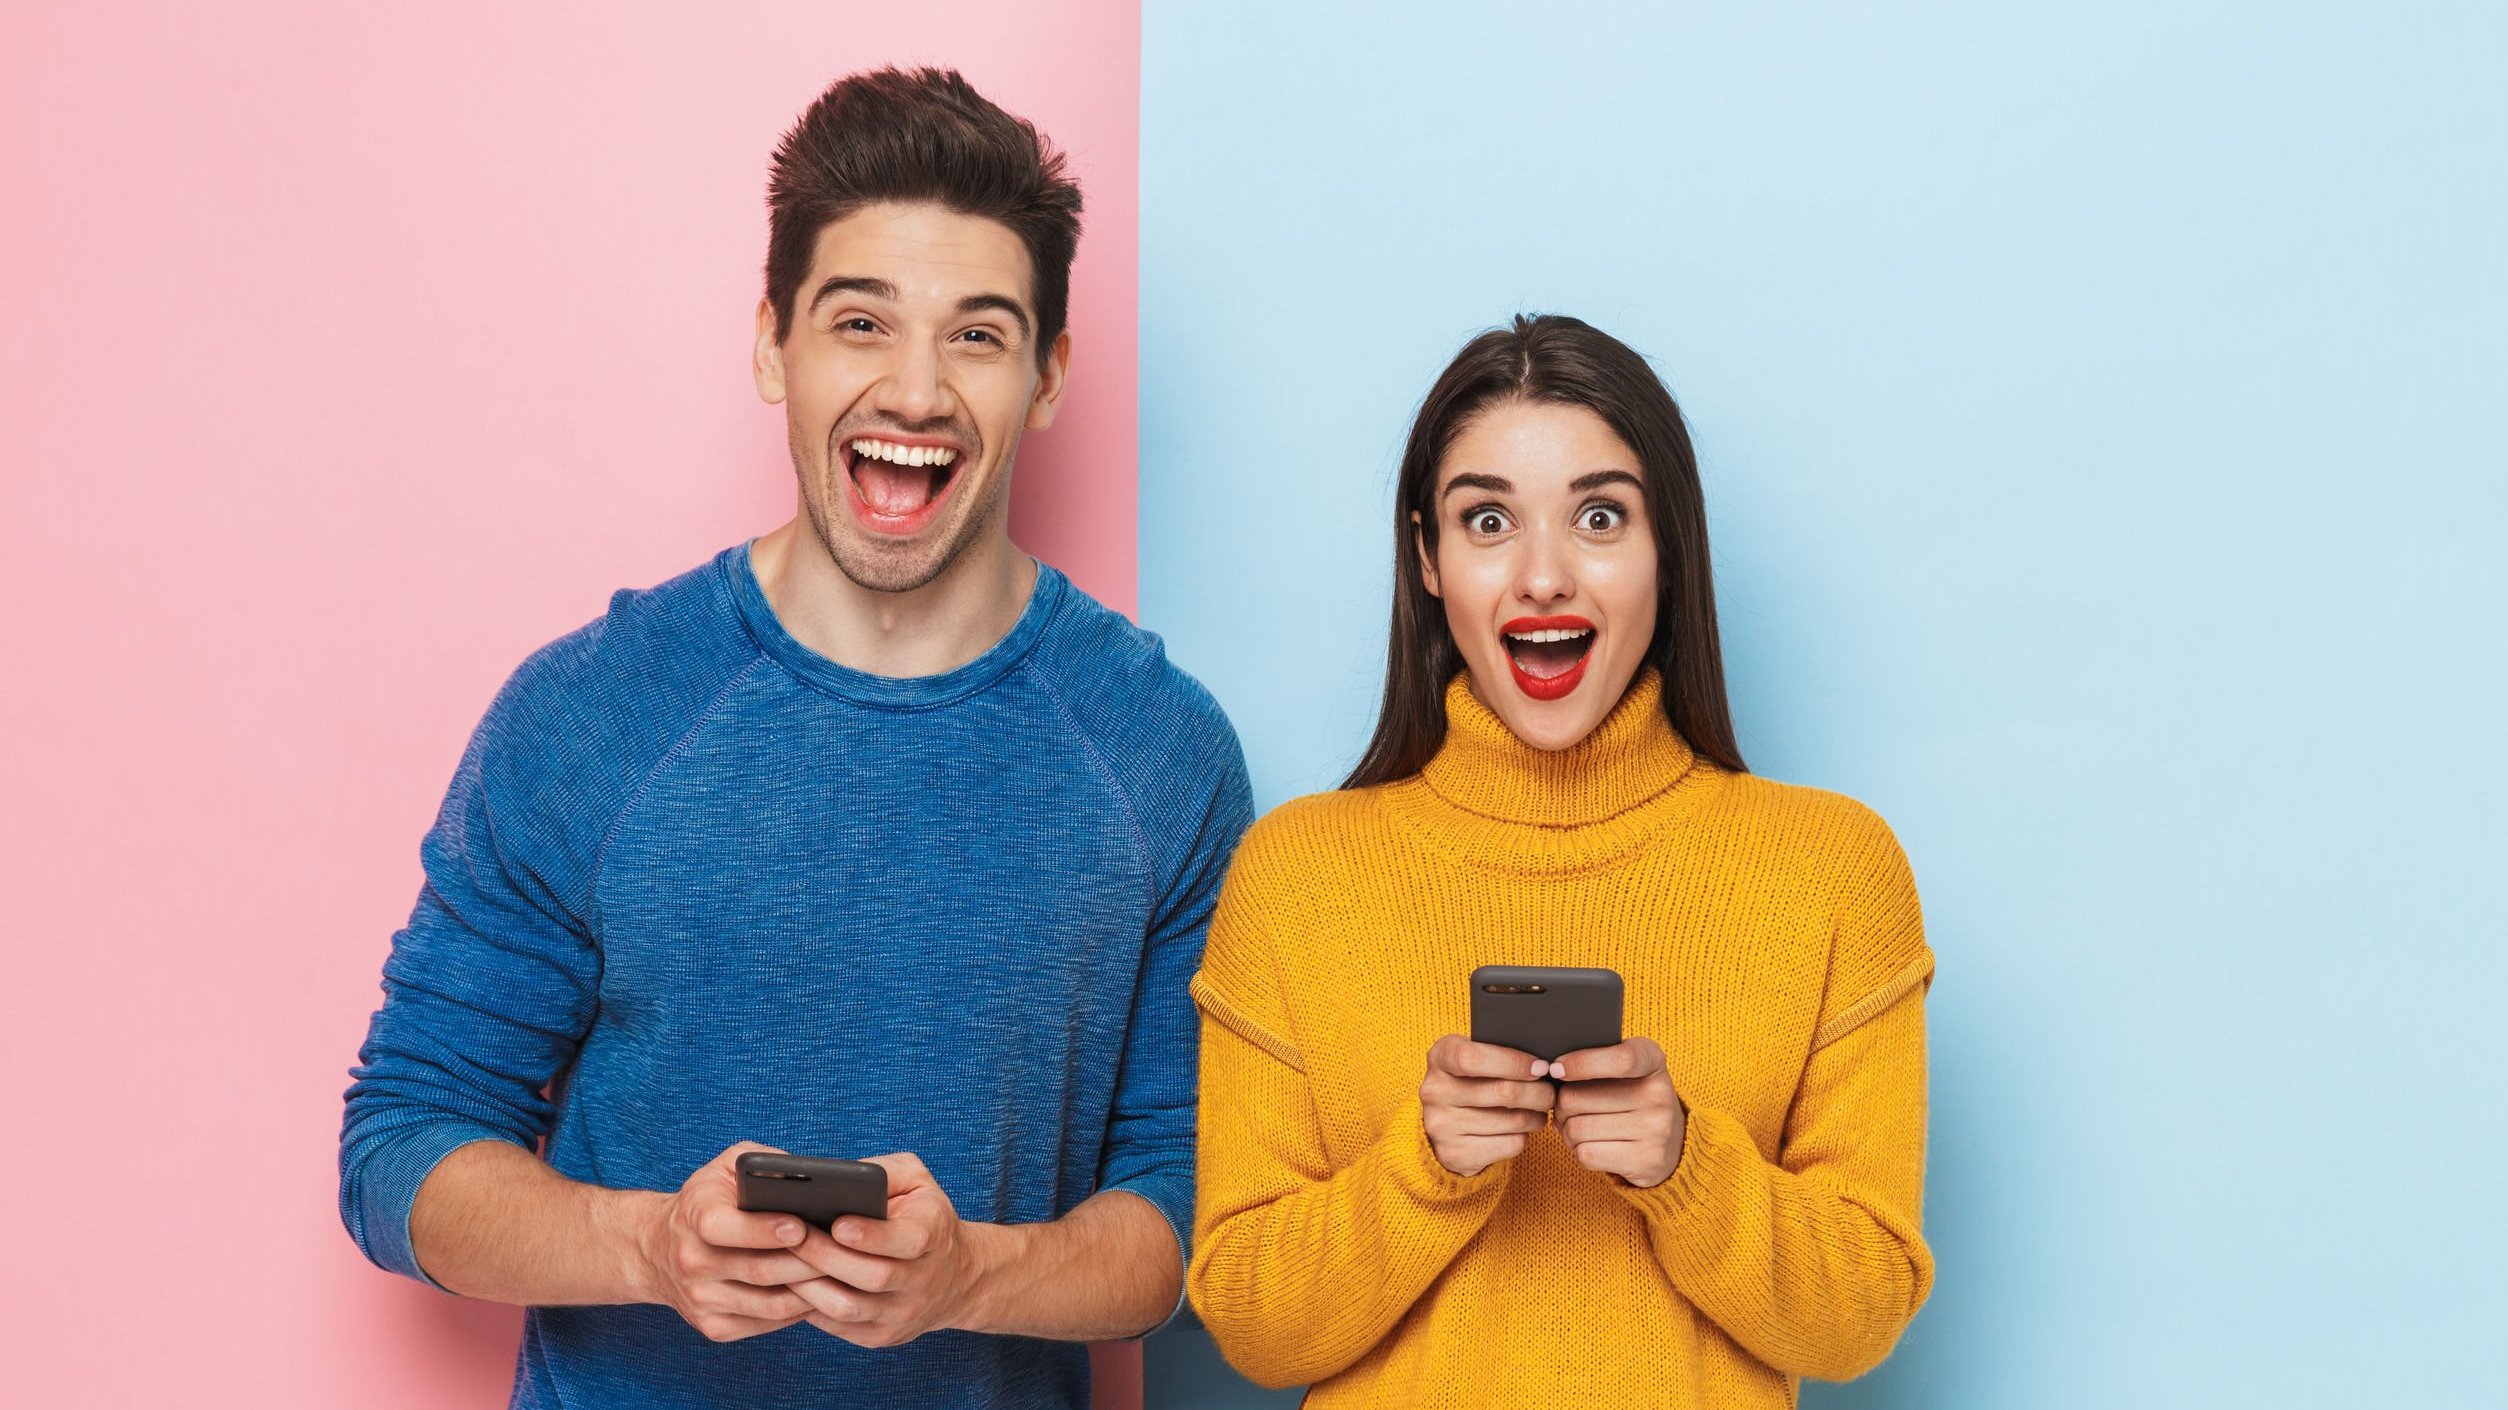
<point x="1545" y="1010"/>
<point x="815" y="1188"/>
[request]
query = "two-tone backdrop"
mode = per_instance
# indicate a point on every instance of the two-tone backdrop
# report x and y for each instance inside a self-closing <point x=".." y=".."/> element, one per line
<point x="2101" y="414"/>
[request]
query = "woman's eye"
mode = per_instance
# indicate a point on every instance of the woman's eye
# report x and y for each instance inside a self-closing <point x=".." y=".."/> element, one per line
<point x="1485" y="521"/>
<point x="1601" y="518"/>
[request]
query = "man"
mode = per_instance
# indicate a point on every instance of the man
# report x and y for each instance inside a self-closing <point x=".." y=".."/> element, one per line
<point x="873" y="835"/>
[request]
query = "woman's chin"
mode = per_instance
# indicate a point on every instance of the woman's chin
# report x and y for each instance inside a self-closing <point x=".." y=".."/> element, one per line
<point x="1550" y="725"/>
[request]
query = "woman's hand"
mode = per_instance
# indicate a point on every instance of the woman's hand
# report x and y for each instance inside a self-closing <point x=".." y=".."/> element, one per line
<point x="1479" y="1102"/>
<point x="1618" y="1111"/>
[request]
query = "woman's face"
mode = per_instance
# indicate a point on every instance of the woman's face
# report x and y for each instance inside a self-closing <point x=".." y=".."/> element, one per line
<point x="1546" y="565"/>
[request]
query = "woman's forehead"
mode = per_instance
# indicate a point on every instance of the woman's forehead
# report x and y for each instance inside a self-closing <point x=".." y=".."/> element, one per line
<point x="1536" y="447"/>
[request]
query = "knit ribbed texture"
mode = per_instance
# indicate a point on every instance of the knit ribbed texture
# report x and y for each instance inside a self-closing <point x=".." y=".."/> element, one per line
<point x="695" y="883"/>
<point x="1770" y="942"/>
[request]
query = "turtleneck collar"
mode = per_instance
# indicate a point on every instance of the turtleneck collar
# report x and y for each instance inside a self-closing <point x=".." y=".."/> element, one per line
<point x="1633" y="756"/>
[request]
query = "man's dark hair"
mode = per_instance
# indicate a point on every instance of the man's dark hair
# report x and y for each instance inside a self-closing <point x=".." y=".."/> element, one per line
<point x="925" y="135"/>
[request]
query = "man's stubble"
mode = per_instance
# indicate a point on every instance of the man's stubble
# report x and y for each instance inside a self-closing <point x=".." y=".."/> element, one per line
<point x="868" y="567"/>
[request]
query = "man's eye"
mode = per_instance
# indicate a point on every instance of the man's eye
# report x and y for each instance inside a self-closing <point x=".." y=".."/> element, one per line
<point x="857" y="325"/>
<point x="981" y="335"/>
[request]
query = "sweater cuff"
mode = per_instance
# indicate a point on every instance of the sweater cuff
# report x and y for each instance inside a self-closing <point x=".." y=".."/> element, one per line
<point x="1717" y="1157"/>
<point x="385" y="1190"/>
<point x="1412" y="1162"/>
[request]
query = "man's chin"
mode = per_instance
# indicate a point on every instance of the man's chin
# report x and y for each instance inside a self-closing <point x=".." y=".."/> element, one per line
<point x="886" y="563"/>
<point x="889" y="567"/>
<point x="898" y="563"/>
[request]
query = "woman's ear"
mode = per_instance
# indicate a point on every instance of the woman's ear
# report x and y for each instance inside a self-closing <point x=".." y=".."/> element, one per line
<point x="1427" y="560"/>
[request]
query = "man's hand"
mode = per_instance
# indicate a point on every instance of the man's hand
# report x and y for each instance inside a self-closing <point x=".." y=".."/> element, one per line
<point x="1479" y="1102"/>
<point x="894" y="1279"/>
<point x="1618" y="1111"/>
<point x="731" y="1273"/>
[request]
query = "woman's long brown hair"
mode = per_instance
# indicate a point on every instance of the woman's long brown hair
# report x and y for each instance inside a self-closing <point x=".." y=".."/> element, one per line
<point x="1554" y="360"/>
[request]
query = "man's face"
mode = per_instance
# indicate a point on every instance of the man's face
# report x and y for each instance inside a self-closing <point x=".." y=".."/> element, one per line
<point x="907" y="377"/>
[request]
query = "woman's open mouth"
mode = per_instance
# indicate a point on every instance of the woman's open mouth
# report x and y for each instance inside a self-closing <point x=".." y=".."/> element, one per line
<point x="1548" y="653"/>
<point x="899" y="486"/>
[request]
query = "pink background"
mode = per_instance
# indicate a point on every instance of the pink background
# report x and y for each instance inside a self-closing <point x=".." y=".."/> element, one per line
<point x="352" y="352"/>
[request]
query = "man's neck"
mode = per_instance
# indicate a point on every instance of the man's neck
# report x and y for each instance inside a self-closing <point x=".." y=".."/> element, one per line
<point x="937" y="627"/>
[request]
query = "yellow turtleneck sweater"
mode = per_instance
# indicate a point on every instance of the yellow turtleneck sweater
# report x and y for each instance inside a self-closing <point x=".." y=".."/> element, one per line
<point x="1769" y="940"/>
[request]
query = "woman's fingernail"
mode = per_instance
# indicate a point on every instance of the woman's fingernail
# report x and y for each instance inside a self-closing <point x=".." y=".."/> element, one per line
<point x="789" y="1233"/>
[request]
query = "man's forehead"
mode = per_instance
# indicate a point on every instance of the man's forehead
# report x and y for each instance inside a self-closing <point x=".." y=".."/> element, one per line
<point x="926" y="252"/>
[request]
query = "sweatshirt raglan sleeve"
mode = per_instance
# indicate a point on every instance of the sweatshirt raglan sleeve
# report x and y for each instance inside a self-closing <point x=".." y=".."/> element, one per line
<point x="1301" y="1268"/>
<point x="1199" y="810"/>
<point x="1811" y="1257"/>
<point x="487" y="992"/>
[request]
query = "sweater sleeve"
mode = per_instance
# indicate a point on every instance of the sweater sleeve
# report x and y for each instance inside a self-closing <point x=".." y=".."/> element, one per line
<point x="486" y="995"/>
<point x="1300" y="1268"/>
<point x="1150" y="1131"/>
<point x="1812" y="1259"/>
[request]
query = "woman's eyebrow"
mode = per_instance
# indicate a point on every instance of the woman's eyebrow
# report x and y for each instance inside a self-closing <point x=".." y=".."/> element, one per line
<point x="1600" y="478"/>
<point x="1476" y="481"/>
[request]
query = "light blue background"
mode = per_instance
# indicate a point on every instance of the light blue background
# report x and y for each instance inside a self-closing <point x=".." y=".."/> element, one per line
<point x="2101" y="415"/>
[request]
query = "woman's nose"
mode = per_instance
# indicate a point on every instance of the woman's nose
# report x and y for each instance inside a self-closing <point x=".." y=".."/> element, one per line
<point x="1543" y="576"/>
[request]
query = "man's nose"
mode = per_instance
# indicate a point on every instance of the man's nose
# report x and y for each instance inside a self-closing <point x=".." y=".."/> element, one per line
<point x="914" y="389"/>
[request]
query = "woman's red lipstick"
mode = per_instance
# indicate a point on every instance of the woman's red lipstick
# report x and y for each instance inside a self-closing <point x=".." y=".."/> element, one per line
<point x="1554" y="683"/>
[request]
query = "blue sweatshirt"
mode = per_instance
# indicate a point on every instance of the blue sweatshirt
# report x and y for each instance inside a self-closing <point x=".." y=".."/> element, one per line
<point x="695" y="884"/>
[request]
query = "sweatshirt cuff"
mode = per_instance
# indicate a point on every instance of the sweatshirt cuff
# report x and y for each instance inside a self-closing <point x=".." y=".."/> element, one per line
<point x="1172" y="1197"/>
<point x="384" y="1190"/>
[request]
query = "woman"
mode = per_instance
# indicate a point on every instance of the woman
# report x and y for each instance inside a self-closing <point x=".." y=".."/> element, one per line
<point x="1725" y="1201"/>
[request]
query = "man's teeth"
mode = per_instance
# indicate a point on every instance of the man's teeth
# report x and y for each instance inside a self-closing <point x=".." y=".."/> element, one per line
<point x="1550" y="634"/>
<point x="903" y="455"/>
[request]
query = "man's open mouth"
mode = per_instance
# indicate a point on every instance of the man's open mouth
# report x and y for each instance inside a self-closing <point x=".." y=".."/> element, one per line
<point x="898" y="484"/>
<point x="1548" y="654"/>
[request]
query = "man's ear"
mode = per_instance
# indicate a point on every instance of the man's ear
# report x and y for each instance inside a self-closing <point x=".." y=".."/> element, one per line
<point x="1049" y="382"/>
<point x="1427" y="560"/>
<point x="766" y="360"/>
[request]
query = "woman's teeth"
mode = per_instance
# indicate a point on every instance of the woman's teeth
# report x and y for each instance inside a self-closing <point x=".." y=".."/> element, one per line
<point x="896" y="454"/>
<point x="1552" y="651"/>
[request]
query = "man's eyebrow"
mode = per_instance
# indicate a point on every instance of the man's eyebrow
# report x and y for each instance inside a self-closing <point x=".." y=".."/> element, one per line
<point x="1599" y="478"/>
<point x="977" y="303"/>
<point x="1476" y="481"/>
<point x="851" y="284"/>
